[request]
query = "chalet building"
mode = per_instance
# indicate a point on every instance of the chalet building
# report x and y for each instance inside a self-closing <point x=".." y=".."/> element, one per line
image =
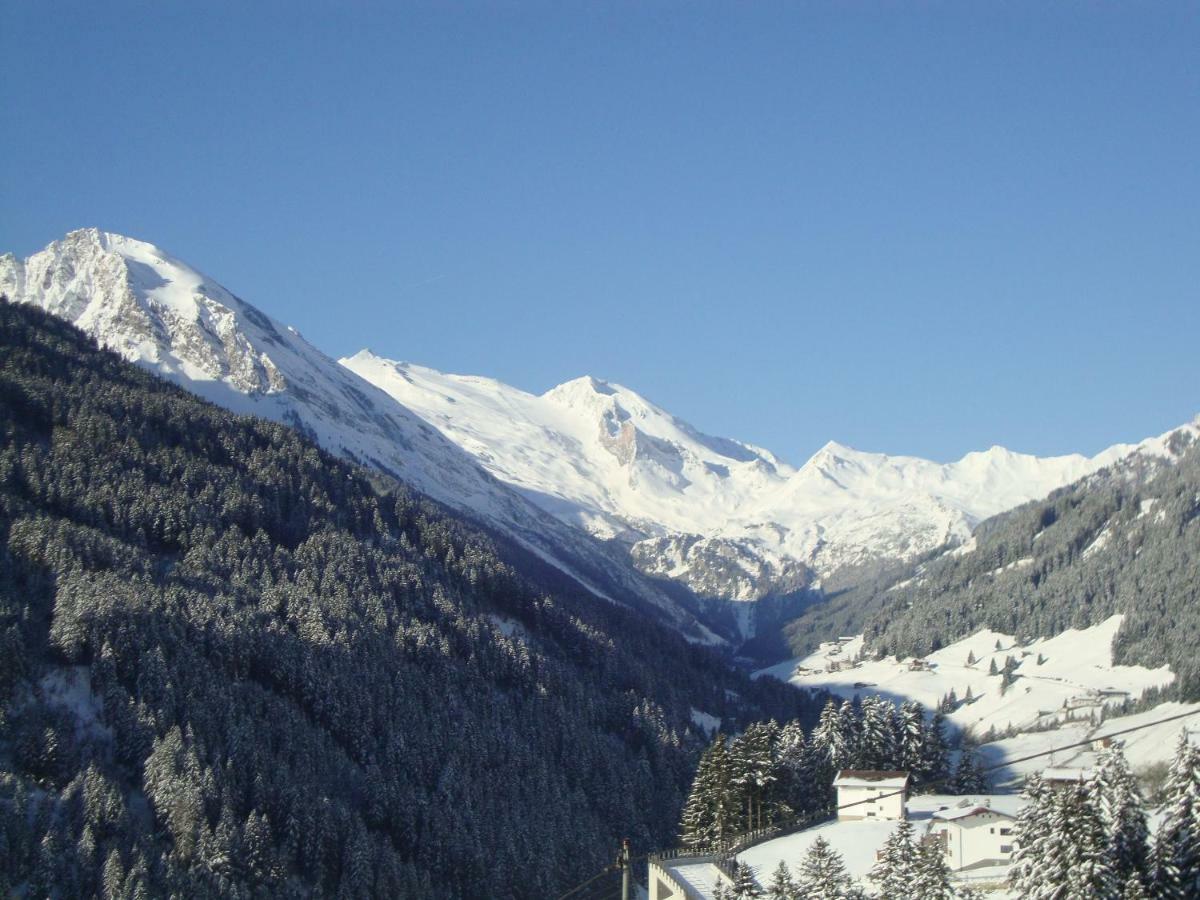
<point x="871" y="794"/>
<point x="972" y="835"/>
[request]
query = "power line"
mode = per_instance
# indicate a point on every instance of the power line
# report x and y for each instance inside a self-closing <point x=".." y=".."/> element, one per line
<point x="941" y="781"/>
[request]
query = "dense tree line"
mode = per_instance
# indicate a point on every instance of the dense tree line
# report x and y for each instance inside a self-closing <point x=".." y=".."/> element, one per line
<point x="1090" y="840"/>
<point x="772" y="774"/>
<point x="232" y="665"/>
<point x="1124" y="540"/>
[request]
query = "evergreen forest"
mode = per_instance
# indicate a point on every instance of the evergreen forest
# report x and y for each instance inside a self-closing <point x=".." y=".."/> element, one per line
<point x="233" y="665"/>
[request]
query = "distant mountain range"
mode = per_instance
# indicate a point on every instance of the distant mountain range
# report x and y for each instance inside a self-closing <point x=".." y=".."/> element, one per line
<point x="590" y="475"/>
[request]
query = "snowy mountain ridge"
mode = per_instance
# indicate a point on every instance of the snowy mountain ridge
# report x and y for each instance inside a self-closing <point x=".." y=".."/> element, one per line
<point x="161" y="313"/>
<point x="728" y="518"/>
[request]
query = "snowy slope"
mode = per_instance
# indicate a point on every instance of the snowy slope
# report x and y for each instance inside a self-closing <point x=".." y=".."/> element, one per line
<point x="158" y="311"/>
<point x="728" y="518"/>
<point x="1074" y="679"/>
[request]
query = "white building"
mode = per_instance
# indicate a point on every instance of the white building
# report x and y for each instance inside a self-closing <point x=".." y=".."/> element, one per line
<point x="973" y="835"/>
<point x="871" y="794"/>
<point x="976" y="834"/>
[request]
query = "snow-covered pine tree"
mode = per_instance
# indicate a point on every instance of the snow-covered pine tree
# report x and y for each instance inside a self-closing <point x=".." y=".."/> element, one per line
<point x="794" y="792"/>
<point x="1134" y="889"/>
<point x="1177" y="842"/>
<point x="695" y="819"/>
<point x="935" y="756"/>
<point x="1122" y="814"/>
<point x="931" y="878"/>
<point x="752" y="766"/>
<point x="820" y="770"/>
<point x="826" y="738"/>
<point x="744" y="884"/>
<point x="850" y="732"/>
<point x="895" y="867"/>
<point x="1079" y="831"/>
<point x="1032" y="837"/>
<point x="968" y="774"/>
<point x="782" y="886"/>
<point x="878" y="739"/>
<point x="949" y="702"/>
<point x="725" y="803"/>
<point x="712" y="811"/>
<point x="822" y="874"/>
<point x="911" y="749"/>
<point x="695" y="827"/>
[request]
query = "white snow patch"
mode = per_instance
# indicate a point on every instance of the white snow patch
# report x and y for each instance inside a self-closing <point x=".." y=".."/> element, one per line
<point x="1099" y="543"/>
<point x="1076" y="679"/>
<point x="705" y="721"/>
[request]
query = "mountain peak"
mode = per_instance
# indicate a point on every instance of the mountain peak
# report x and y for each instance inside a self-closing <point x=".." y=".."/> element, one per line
<point x="584" y="385"/>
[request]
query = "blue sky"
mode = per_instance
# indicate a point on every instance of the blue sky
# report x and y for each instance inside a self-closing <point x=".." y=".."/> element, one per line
<point x="917" y="228"/>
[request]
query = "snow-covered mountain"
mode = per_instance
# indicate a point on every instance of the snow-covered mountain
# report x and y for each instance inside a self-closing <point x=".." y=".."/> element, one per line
<point x="588" y="459"/>
<point x="730" y="519"/>
<point x="160" y="312"/>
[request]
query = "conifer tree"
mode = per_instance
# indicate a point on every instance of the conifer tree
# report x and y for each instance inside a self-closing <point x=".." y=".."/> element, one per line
<point x="752" y="770"/>
<point x="1031" y="836"/>
<point x="849" y="731"/>
<point x="744" y="885"/>
<point x="911" y="745"/>
<point x="969" y="777"/>
<point x="895" y="869"/>
<point x="822" y="874"/>
<point x="1177" y="842"/>
<point x="1134" y="889"/>
<point x="826" y="738"/>
<point x="1079" y="831"/>
<point x="782" y="886"/>
<point x="949" y="702"/>
<point x="796" y="792"/>
<point x="936" y="753"/>
<point x="1122" y="814"/>
<point x="878" y="745"/>
<point x="931" y="876"/>
<point x="711" y="813"/>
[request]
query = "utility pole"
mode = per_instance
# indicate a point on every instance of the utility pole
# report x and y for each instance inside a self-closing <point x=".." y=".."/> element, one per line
<point x="623" y="865"/>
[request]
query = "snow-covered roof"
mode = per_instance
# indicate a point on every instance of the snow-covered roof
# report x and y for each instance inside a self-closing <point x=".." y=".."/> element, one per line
<point x="965" y="812"/>
<point x="870" y="778"/>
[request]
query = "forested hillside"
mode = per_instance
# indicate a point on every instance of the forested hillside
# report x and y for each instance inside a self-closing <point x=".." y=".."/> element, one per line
<point x="1126" y="540"/>
<point x="233" y="665"/>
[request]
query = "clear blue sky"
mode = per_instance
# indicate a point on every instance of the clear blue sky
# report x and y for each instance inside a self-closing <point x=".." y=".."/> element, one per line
<point x="917" y="228"/>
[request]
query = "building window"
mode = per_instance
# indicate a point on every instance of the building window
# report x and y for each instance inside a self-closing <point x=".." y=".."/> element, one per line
<point x="1006" y="848"/>
<point x="992" y="830"/>
<point x="1005" y="832"/>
